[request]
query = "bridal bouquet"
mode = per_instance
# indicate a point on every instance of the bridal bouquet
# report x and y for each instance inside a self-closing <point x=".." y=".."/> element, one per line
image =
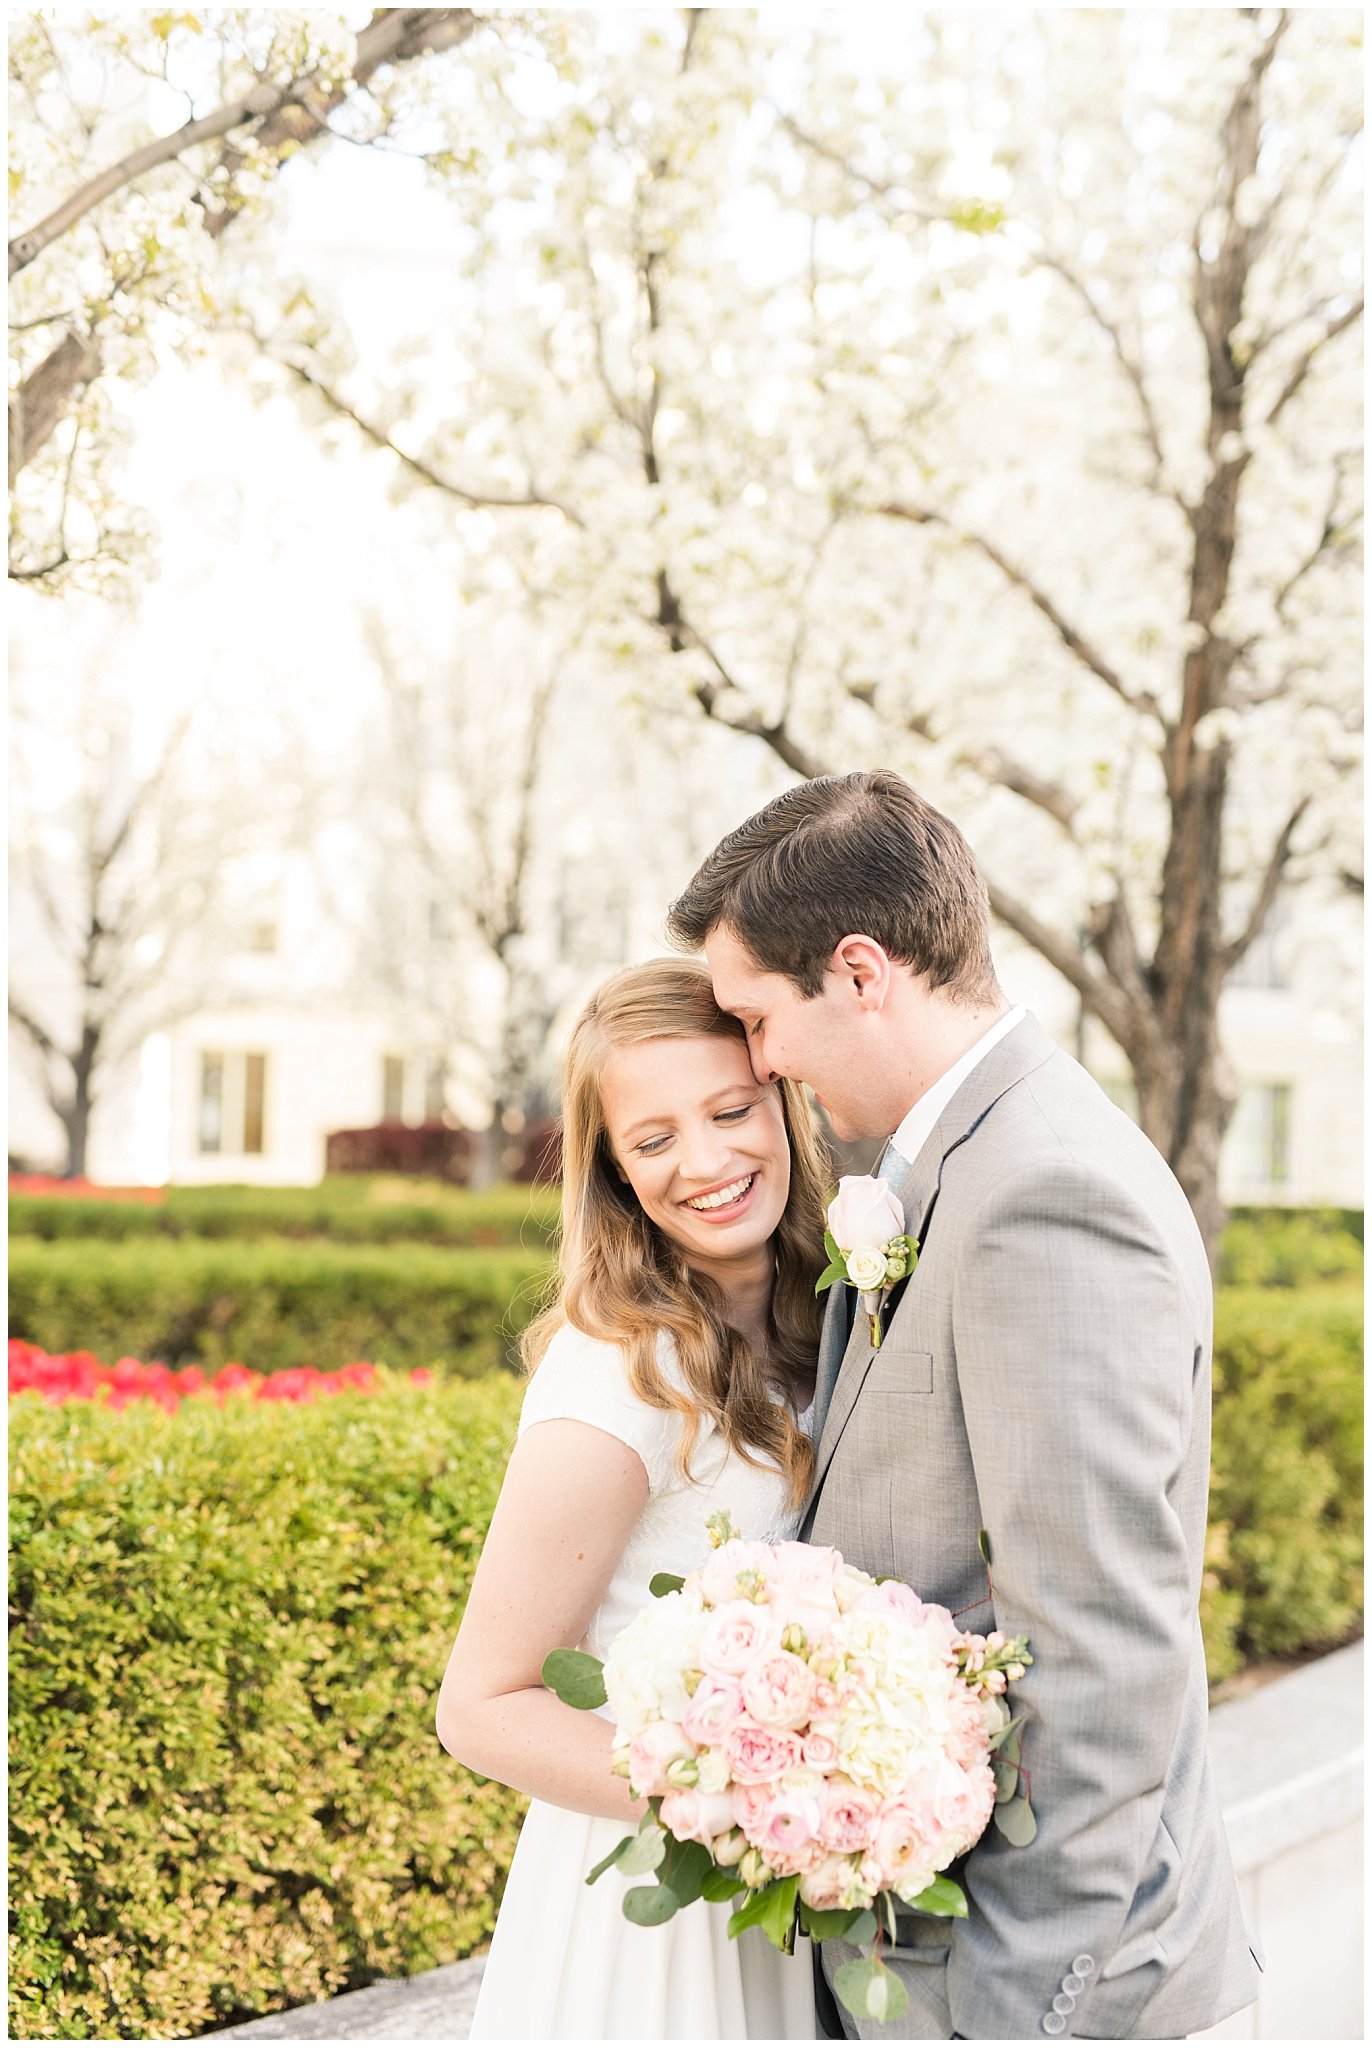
<point x="812" y="1742"/>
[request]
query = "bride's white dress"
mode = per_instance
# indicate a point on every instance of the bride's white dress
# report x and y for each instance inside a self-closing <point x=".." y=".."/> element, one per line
<point x="564" y="1963"/>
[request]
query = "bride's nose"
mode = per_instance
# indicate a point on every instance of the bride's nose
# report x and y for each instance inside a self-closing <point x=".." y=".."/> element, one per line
<point x="704" y="1155"/>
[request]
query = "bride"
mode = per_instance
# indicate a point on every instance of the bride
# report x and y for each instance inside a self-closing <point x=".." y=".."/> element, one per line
<point x="670" y="1379"/>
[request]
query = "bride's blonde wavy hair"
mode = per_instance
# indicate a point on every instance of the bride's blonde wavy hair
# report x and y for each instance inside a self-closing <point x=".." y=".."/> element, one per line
<point x="622" y="1280"/>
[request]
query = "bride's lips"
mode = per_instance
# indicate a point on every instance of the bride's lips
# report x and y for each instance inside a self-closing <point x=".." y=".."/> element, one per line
<point x="727" y="1211"/>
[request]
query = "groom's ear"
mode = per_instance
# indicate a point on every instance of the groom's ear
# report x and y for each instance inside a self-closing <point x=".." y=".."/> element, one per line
<point x="864" y="967"/>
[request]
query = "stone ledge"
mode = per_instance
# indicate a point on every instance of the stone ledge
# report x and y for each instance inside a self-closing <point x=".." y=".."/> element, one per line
<point x="1288" y="1768"/>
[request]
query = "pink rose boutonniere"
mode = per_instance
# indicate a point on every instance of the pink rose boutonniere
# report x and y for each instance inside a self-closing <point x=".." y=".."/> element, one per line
<point x="867" y="1245"/>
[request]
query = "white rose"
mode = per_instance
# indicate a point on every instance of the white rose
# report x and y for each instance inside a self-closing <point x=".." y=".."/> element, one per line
<point x="714" y="1771"/>
<point x="865" y="1212"/>
<point x="867" y="1270"/>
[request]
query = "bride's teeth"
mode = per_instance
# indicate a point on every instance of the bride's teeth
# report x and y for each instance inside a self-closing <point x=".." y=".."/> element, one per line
<point x="723" y="1196"/>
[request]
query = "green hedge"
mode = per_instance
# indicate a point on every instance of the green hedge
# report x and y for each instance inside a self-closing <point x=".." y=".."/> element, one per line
<point x="349" y="1209"/>
<point x="1287" y="1475"/>
<point x="271" y="1303"/>
<point x="1291" y="1247"/>
<point x="227" y="1635"/>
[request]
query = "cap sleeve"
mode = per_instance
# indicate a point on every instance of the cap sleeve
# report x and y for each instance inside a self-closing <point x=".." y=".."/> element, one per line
<point x="581" y="1379"/>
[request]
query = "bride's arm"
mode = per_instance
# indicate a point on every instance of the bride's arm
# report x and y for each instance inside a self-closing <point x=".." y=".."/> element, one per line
<point x="571" y="1496"/>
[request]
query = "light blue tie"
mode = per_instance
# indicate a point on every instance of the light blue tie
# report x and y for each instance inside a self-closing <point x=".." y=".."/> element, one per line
<point x="894" y="1166"/>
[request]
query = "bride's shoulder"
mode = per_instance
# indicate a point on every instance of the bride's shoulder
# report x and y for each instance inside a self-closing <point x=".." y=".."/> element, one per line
<point x="586" y="1379"/>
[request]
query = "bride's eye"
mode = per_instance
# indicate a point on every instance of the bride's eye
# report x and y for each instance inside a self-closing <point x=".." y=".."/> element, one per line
<point x="735" y="1116"/>
<point x="649" y="1146"/>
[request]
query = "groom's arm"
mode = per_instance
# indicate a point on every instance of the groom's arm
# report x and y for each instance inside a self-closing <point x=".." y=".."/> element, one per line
<point x="1074" y="1355"/>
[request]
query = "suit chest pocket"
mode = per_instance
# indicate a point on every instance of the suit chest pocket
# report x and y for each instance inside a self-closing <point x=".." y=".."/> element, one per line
<point x="897" y="1372"/>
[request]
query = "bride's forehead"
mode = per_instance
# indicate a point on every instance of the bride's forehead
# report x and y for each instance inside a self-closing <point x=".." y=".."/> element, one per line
<point x="674" y="1069"/>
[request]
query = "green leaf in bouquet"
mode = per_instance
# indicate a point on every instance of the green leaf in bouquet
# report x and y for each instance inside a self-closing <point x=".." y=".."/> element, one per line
<point x="773" y="1909"/>
<point x="1016" y="1822"/>
<point x="644" y="1851"/>
<point x="649" y="1905"/>
<point x="684" y="1870"/>
<point x="1006" y="1775"/>
<point x="837" y="1271"/>
<point x="1003" y="1736"/>
<point x="870" y="1991"/>
<point x="576" y="1678"/>
<point x="834" y="1248"/>
<point x="613" y="1857"/>
<point x="984" y="1546"/>
<point x="721" y="1886"/>
<point x="662" y="1583"/>
<point x="943" y="1898"/>
<point x="855" y="1923"/>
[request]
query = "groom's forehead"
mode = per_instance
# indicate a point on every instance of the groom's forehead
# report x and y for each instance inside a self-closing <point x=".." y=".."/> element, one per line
<point x="738" y="980"/>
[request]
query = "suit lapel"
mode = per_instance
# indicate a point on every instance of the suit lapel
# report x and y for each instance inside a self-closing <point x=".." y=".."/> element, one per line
<point x="845" y="1352"/>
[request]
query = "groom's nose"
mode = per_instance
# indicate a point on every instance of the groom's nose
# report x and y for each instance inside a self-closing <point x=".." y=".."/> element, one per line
<point x="763" y="1070"/>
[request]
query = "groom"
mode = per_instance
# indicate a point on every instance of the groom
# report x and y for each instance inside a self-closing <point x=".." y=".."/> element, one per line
<point x="1044" y="1376"/>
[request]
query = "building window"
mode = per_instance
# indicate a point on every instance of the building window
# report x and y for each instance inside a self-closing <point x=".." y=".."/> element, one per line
<point x="1267" y="962"/>
<point x="233" y="1102"/>
<point x="392" y="1089"/>
<point x="1259" y="1137"/>
<point x="211" y="1125"/>
<point x="435" y="1090"/>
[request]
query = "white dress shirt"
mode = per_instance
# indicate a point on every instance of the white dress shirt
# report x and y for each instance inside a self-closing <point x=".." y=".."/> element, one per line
<point x="918" y="1126"/>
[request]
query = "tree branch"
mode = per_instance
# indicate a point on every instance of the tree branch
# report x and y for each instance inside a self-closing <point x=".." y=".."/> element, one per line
<point x="1067" y="956"/>
<point x="1303" y="366"/>
<point x="1131" y="367"/>
<point x="1141" y="701"/>
<point x="379" y="438"/>
<point x="1267" y="888"/>
<point x="42" y="400"/>
<point x="393" y="35"/>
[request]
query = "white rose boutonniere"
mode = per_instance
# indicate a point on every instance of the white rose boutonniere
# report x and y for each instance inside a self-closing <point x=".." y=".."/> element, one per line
<point x="867" y="1244"/>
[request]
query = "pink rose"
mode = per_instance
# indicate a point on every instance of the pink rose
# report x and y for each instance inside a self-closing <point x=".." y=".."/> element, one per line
<point x="848" y="1816"/>
<point x="695" y="1816"/>
<point x="865" y="1213"/>
<point x="800" y="1587"/>
<point x="715" y="1707"/>
<point x="652" y="1749"/>
<point x="756" y="1754"/>
<point x="958" y="1802"/>
<point x="735" y="1636"/>
<point x="777" y="1689"/>
<point x="717" y="1576"/>
<point x="788" y="1824"/>
<point x="898" y="1602"/>
<point x="751" y="1804"/>
<point x="904" y="1837"/>
<point x="819" y="1750"/>
<point x="833" y="1885"/>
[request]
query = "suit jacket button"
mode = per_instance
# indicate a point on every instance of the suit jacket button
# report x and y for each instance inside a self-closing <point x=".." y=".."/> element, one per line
<point x="1084" y="1965"/>
<point x="1054" y="2023"/>
<point x="1064" y="2002"/>
<point x="1073" y="1983"/>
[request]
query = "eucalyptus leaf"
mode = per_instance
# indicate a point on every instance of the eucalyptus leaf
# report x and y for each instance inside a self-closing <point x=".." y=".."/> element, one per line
<point x="984" y="1546"/>
<point x="650" y="1905"/>
<point x="1006" y="1776"/>
<point x="576" y="1678"/>
<point x="1003" y="1735"/>
<point x="1016" y="1822"/>
<point x="870" y="1991"/>
<point x="662" y="1583"/>
<point x="645" y="1851"/>
<point x="613" y="1857"/>
<point x="943" y="1898"/>
<point x="685" y="1869"/>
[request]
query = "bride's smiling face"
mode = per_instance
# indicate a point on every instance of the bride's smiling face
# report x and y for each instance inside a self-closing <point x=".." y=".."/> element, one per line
<point x="700" y="1141"/>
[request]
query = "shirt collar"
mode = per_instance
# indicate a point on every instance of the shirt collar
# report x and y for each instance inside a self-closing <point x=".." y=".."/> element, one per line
<point x="917" y="1128"/>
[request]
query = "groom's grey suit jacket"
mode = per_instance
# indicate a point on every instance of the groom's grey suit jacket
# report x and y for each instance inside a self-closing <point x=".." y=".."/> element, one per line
<point x="1045" y="1375"/>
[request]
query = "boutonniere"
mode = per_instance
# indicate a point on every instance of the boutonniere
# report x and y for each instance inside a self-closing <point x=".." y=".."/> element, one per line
<point x="867" y="1245"/>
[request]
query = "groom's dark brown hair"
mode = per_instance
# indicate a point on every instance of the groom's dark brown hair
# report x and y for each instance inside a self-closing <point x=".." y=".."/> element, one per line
<point x="846" y="853"/>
